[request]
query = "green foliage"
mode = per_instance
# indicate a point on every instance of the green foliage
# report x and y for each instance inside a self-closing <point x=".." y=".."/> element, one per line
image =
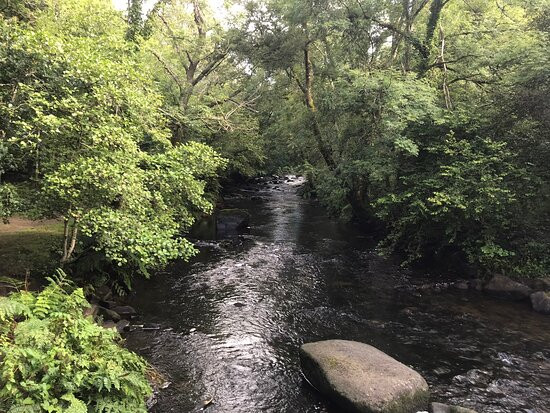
<point x="9" y="201"/>
<point x="390" y="82"/>
<point x="457" y="195"/>
<point x="408" y="112"/>
<point x="83" y="127"/>
<point x="209" y="97"/>
<point x="56" y="360"/>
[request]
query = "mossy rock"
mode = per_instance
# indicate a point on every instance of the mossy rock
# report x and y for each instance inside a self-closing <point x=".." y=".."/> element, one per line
<point x="360" y="378"/>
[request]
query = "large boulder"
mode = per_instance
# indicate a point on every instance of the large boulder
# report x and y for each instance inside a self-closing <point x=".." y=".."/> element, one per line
<point x="504" y="287"/>
<point x="443" y="408"/>
<point x="361" y="378"/>
<point x="541" y="302"/>
<point x="230" y="221"/>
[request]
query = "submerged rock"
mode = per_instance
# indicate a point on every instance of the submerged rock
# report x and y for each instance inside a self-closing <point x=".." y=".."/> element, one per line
<point x="443" y="408"/>
<point x="501" y="286"/>
<point x="362" y="378"/>
<point x="231" y="220"/>
<point x="541" y="302"/>
<point x="462" y="285"/>
<point x="125" y="311"/>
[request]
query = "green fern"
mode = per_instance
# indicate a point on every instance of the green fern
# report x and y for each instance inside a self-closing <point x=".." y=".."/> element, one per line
<point x="56" y="360"/>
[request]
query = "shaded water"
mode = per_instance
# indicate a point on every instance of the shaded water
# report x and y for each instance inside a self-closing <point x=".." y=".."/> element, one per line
<point x="229" y="325"/>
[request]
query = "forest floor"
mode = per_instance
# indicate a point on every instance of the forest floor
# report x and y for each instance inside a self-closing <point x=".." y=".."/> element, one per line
<point x="27" y="245"/>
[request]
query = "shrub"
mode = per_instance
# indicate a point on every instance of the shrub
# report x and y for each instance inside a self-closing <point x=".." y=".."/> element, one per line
<point x="54" y="359"/>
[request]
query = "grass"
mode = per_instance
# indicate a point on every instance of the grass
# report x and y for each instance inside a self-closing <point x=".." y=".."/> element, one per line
<point x="29" y="246"/>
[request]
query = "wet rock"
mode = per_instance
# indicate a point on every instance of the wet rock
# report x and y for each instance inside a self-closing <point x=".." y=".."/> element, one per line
<point x="108" y="303"/>
<point x="539" y="284"/>
<point x="108" y="324"/>
<point x="409" y="311"/>
<point x="444" y="408"/>
<point x="475" y="377"/>
<point x="361" y="378"/>
<point x="231" y="220"/>
<point x="501" y="286"/>
<point x="441" y="287"/>
<point x="125" y="311"/>
<point x="462" y="285"/>
<point x="151" y="401"/>
<point x="91" y="311"/>
<point x="122" y="325"/>
<point x="541" y="302"/>
<point x="441" y="371"/>
<point x="103" y="292"/>
<point x="476" y="284"/>
<point x="108" y="314"/>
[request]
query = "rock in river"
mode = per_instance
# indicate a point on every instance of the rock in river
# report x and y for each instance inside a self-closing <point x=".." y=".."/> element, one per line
<point x="541" y="302"/>
<point x="125" y="311"/>
<point x="231" y="220"/>
<point x="443" y="408"/>
<point x="361" y="378"/>
<point x="505" y="287"/>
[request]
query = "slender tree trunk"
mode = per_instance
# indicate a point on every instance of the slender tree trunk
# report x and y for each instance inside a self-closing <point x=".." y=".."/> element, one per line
<point x="408" y="28"/>
<point x="446" y="91"/>
<point x="70" y="234"/>
<point x="325" y="150"/>
<point x="433" y="21"/>
<point x="73" y="241"/>
<point x="65" y="238"/>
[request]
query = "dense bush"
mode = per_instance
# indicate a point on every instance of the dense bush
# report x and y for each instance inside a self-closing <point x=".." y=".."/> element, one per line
<point x="54" y="359"/>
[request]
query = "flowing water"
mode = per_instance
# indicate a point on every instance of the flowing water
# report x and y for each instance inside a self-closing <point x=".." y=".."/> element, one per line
<point x="228" y="325"/>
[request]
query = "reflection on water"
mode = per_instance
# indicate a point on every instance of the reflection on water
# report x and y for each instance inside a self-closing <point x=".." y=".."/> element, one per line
<point x="229" y="325"/>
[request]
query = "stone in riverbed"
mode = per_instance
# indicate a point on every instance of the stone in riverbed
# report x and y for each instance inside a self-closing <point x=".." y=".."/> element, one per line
<point x="541" y="302"/>
<point x="505" y="287"/>
<point x="539" y="284"/>
<point x="462" y="285"/>
<point x="229" y="221"/>
<point x="125" y="311"/>
<point x="363" y="379"/>
<point x="108" y="314"/>
<point x="443" y="408"/>
<point x="122" y="325"/>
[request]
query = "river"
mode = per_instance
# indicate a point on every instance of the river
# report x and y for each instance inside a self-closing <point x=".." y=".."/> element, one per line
<point x="228" y="325"/>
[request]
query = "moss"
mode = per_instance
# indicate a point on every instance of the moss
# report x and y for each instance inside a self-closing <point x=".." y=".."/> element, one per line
<point x="410" y="403"/>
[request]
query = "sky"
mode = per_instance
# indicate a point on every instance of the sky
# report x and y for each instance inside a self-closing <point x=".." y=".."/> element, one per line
<point x="122" y="4"/>
<point x="217" y="7"/>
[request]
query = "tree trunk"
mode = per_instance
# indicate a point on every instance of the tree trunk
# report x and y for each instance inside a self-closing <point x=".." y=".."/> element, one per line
<point x="433" y="21"/>
<point x="69" y="241"/>
<point x="325" y="150"/>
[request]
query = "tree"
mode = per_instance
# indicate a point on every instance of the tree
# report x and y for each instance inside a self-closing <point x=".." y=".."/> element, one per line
<point x="84" y="125"/>
<point x="210" y="97"/>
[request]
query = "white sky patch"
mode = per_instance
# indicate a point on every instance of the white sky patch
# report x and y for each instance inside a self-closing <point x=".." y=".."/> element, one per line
<point x="221" y="13"/>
